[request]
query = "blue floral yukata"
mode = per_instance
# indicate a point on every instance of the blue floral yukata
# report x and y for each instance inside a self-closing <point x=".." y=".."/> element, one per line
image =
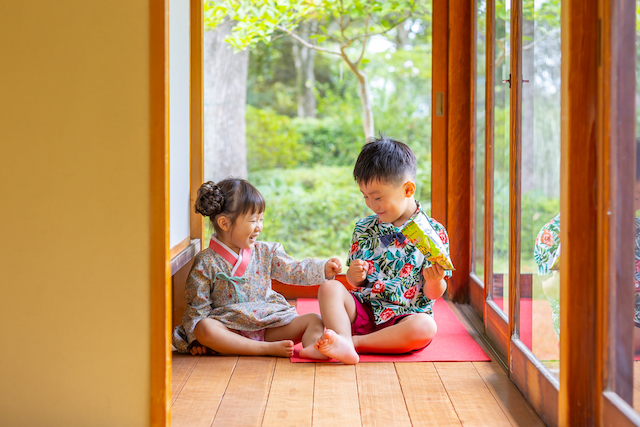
<point x="235" y="289"/>
<point x="546" y="253"/>
<point x="394" y="278"/>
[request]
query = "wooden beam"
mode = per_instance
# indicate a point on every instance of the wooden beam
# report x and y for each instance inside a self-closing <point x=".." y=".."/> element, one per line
<point x="440" y="37"/>
<point x="580" y="382"/>
<point x="460" y="139"/>
<point x="159" y="275"/>
<point x="196" y="105"/>
<point x="616" y="175"/>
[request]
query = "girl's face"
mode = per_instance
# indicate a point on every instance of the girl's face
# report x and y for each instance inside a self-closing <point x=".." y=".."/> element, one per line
<point x="391" y="202"/>
<point x="244" y="232"/>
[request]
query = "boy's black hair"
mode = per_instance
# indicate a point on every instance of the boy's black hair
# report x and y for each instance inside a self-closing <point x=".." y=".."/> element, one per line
<point x="385" y="160"/>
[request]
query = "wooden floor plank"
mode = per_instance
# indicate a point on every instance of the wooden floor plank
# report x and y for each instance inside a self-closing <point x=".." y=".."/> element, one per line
<point x="636" y="385"/>
<point x="512" y="402"/>
<point x="245" y="399"/>
<point x="290" y="400"/>
<point x="426" y="398"/>
<point x="381" y="400"/>
<point x="181" y="367"/>
<point x="335" y="400"/>
<point x="197" y="403"/>
<point x="472" y="400"/>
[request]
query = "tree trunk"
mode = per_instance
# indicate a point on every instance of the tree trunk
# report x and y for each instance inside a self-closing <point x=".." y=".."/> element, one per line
<point x="225" y="97"/>
<point x="365" y="98"/>
<point x="303" y="58"/>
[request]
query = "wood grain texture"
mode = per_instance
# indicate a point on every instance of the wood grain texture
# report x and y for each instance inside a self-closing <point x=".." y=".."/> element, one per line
<point x="460" y="140"/>
<point x="335" y="400"/>
<point x="159" y="273"/>
<point x="181" y="367"/>
<point x="291" y="395"/>
<point x="381" y="399"/>
<point x="496" y="328"/>
<point x="439" y="80"/>
<point x="471" y="399"/>
<point x="426" y="398"/>
<point x="196" y="114"/>
<point x="245" y="399"/>
<point x="580" y="375"/>
<point x="636" y="385"/>
<point x="200" y="398"/>
<point x="512" y="402"/>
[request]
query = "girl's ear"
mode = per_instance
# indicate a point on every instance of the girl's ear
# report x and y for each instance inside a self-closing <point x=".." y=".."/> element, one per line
<point x="223" y="223"/>
<point x="409" y="188"/>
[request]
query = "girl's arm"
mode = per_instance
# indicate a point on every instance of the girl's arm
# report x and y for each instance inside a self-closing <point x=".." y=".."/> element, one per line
<point x="434" y="283"/>
<point x="286" y="269"/>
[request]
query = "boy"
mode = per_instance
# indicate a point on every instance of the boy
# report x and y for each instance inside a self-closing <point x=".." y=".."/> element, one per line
<point x="393" y="285"/>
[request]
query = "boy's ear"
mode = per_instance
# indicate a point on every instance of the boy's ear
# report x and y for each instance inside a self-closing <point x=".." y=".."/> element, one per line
<point x="409" y="188"/>
<point x="223" y="223"/>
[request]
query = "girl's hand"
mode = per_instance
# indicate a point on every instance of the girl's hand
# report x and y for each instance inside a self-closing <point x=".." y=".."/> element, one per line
<point x="332" y="268"/>
<point x="357" y="272"/>
<point x="434" y="273"/>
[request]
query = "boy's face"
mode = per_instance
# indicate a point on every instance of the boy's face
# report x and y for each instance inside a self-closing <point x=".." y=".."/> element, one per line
<point x="392" y="203"/>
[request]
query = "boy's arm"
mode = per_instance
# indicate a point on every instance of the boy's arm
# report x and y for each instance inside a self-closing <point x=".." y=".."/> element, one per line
<point x="434" y="283"/>
<point x="357" y="272"/>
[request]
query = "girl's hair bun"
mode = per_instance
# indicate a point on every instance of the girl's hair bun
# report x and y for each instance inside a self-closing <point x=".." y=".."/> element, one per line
<point x="210" y="200"/>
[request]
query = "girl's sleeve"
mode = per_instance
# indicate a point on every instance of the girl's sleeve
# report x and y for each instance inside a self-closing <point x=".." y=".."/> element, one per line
<point x="197" y="292"/>
<point x="287" y="269"/>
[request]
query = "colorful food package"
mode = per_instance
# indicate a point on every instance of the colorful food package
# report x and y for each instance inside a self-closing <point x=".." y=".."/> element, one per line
<point x="422" y="234"/>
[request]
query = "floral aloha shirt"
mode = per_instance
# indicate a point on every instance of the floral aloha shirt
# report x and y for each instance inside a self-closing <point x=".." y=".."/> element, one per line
<point x="235" y="289"/>
<point x="394" y="277"/>
<point x="546" y="253"/>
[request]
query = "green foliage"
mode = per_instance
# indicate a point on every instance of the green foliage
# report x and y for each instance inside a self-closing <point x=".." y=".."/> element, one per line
<point x="272" y="140"/>
<point x="312" y="211"/>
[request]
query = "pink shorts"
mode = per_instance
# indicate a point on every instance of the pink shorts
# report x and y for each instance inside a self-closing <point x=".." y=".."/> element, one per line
<point x="365" y="323"/>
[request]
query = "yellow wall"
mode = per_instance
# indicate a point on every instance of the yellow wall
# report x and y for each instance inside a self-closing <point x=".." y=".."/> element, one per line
<point x="74" y="213"/>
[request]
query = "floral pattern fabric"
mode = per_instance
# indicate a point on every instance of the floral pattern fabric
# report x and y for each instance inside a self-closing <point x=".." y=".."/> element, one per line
<point x="394" y="278"/>
<point x="249" y="306"/>
<point x="546" y="253"/>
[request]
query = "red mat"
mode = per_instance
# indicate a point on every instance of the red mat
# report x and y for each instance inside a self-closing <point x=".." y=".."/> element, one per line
<point x="452" y="343"/>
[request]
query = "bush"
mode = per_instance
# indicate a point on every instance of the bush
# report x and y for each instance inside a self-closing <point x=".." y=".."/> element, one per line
<point x="272" y="141"/>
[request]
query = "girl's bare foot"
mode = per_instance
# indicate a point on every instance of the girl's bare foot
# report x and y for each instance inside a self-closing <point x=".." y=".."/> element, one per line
<point x="279" y="348"/>
<point x="337" y="347"/>
<point x="311" y="352"/>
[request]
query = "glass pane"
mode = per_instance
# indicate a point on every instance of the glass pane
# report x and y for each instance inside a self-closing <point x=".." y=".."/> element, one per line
<point x="540" y="221"/>
<point x="636" y="318"/>
<point x="304" y="125"/>
<point x="501" y="157"/>
<point x="481" y="40"/>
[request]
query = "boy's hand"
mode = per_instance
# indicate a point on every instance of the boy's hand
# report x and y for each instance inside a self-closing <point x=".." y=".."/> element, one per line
<point x="357" y="272"/>
<point x="332" y="268"/>
<point x="434" y="273"/>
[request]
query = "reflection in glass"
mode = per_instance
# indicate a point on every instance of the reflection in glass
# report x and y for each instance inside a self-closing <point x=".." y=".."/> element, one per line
<point x="501" y="157"/>
<point x="540" y="219"/>
<point x="481" y="40"/>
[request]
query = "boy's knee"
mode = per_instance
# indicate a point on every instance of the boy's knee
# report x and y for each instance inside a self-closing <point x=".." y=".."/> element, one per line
<point x="330" y="287"/>
<point x="423" y="329"/>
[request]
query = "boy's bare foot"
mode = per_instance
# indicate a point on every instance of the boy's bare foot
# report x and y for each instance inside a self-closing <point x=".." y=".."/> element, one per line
<point x="311" y="352"/>
<point x="337" y="347"/>
<point x="279" y="348"/>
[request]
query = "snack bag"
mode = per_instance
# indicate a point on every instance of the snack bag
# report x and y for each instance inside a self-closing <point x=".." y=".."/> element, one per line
<point x="422" y="234"/>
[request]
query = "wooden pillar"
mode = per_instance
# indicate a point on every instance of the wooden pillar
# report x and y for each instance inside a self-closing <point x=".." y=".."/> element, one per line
<point x="580" y="385"/>
<point x="196" y="131"/>
<point x="439" y="60"/>
<point x="159" y="276"/>
<point x="460" y="140"/>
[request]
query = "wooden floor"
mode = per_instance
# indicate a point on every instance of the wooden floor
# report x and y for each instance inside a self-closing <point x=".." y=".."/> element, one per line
<point x="269" y="391"/>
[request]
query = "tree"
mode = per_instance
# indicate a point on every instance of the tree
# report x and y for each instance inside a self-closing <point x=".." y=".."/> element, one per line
<point x="225" y="93"/>
<point x="345" y="29"/>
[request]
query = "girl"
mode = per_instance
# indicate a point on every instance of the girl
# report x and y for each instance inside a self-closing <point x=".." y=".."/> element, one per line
<point x="231" y="306"/>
